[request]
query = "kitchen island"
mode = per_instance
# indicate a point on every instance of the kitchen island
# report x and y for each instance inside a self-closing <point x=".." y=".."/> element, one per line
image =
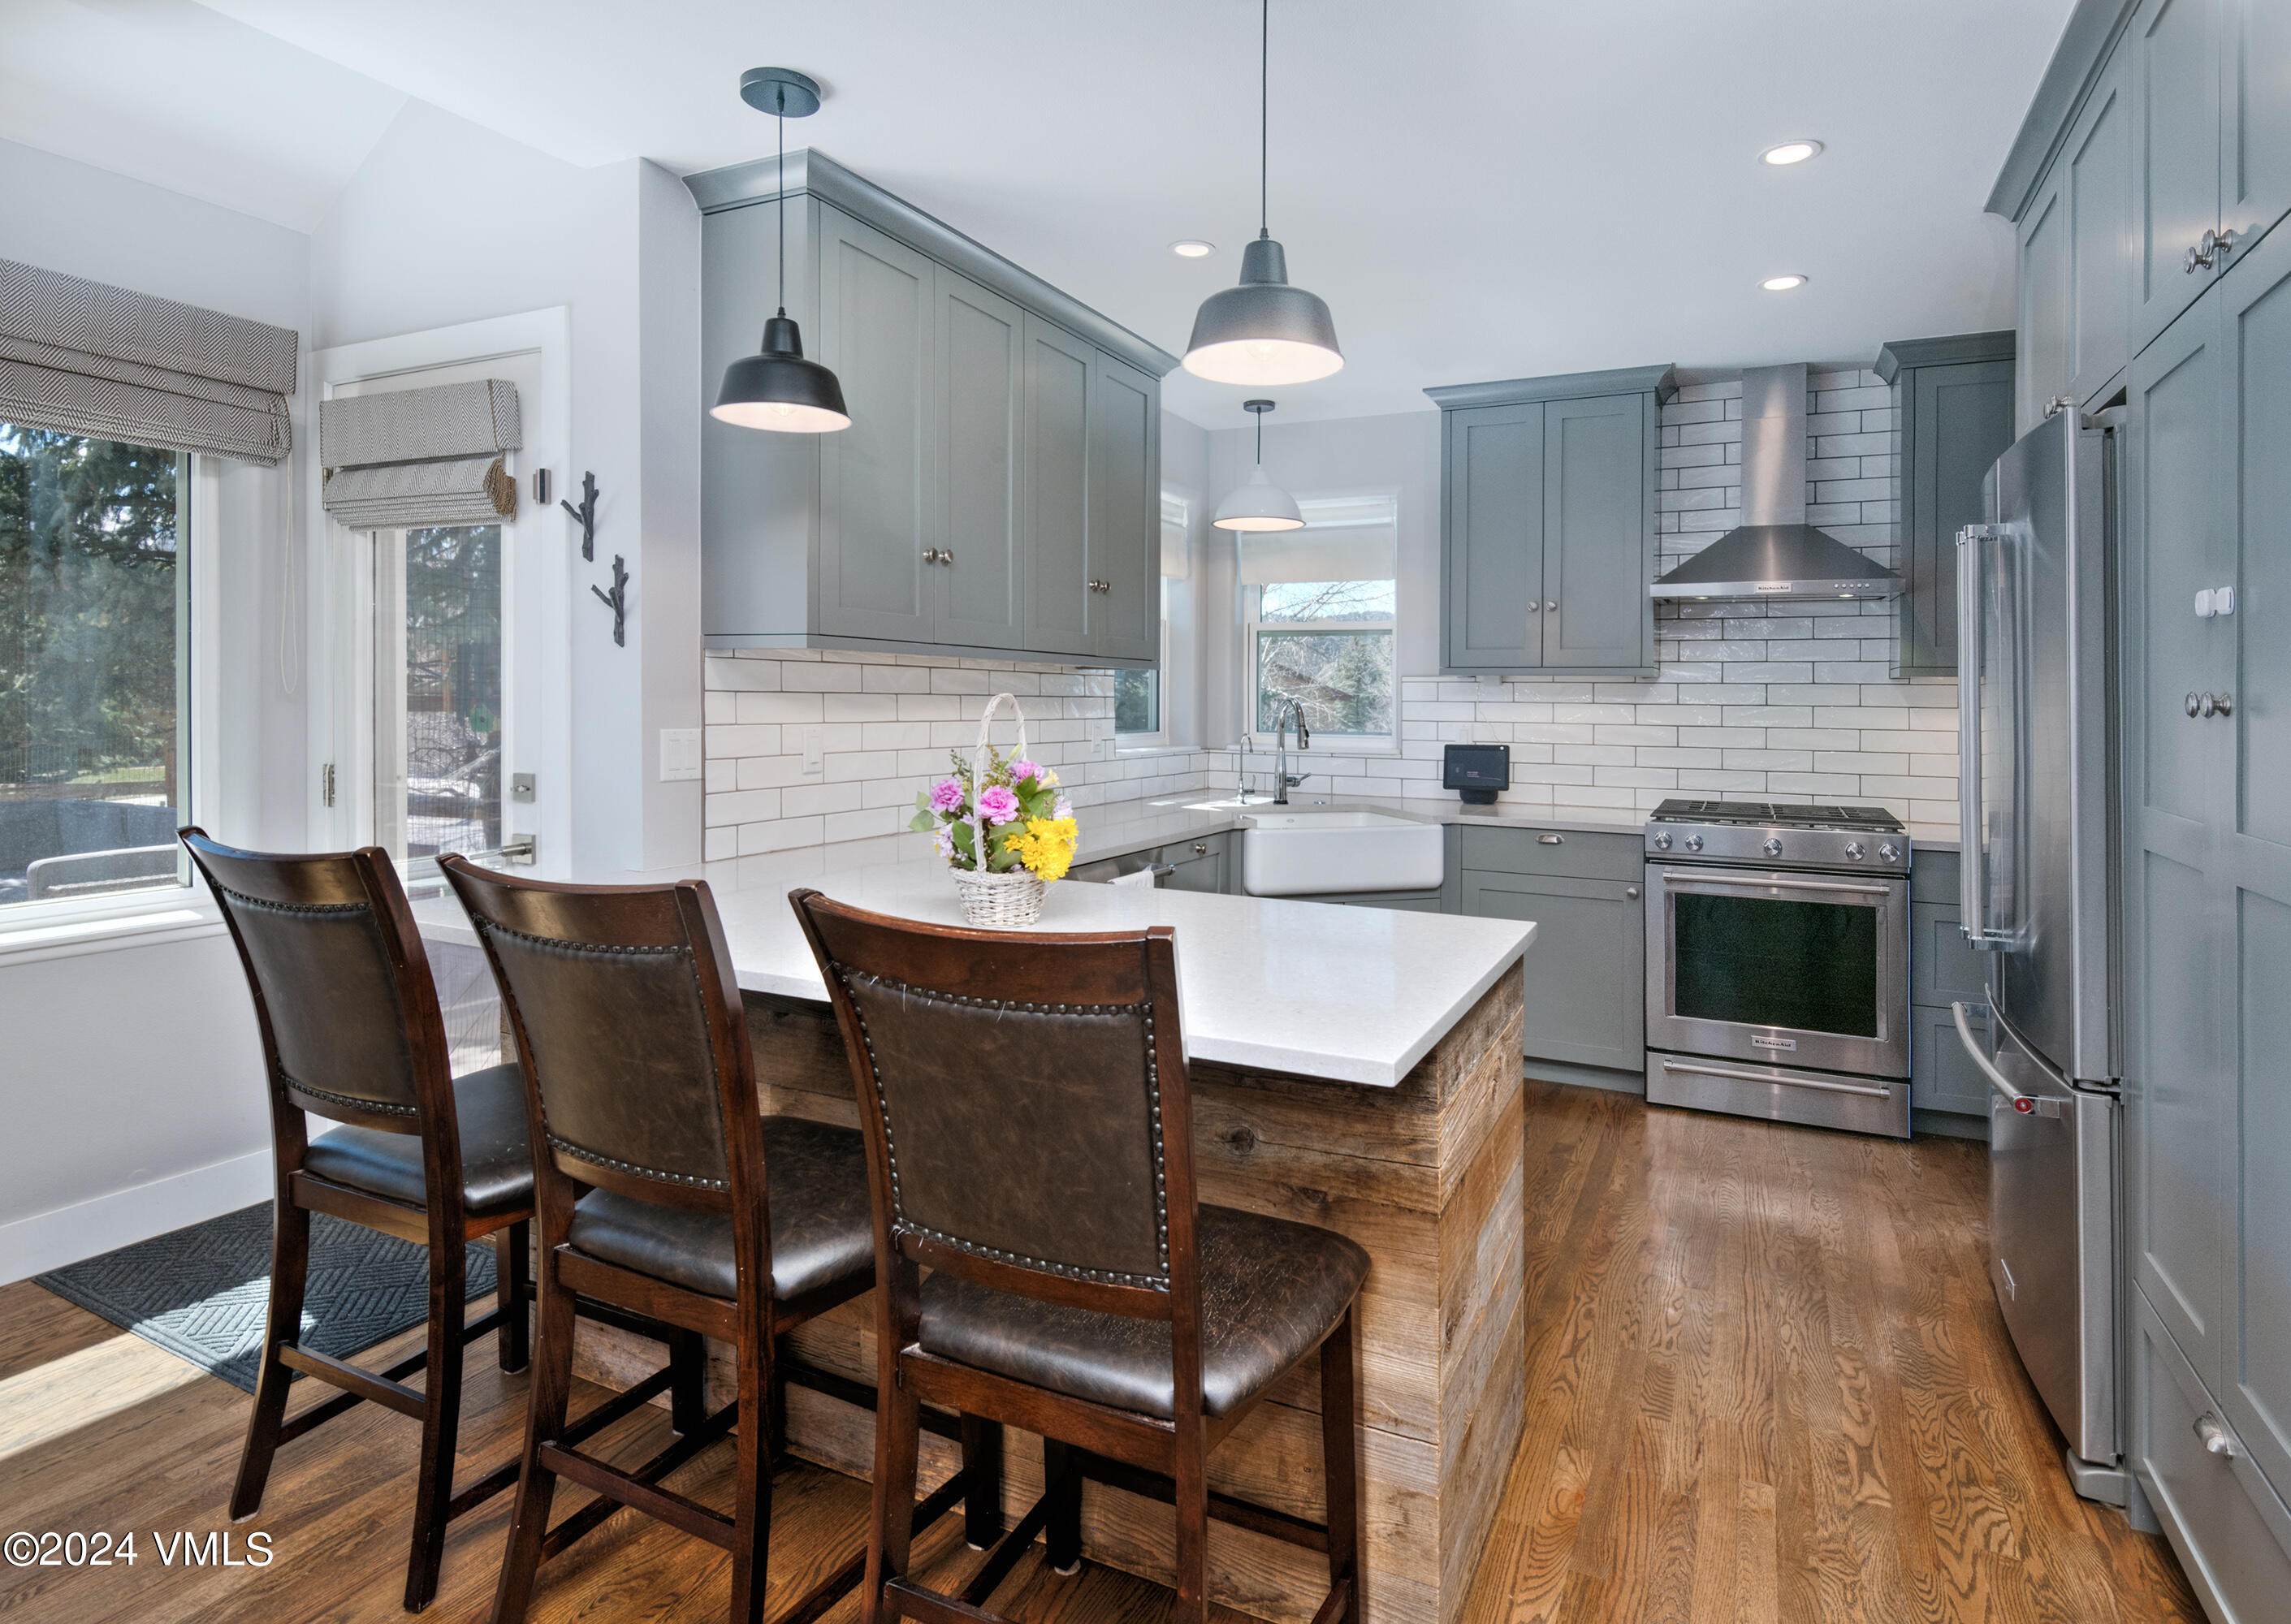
<point x="1352" y="1067"/>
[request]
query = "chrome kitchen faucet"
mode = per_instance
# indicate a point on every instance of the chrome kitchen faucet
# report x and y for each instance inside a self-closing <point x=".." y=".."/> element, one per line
<point x="1281" y="781"/>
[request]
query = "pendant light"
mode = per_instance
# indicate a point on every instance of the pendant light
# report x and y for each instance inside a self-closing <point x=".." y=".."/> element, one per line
<point x="1264" y="330"/>
<point x="777" y="389"/>
<point x="1260" y="504"/>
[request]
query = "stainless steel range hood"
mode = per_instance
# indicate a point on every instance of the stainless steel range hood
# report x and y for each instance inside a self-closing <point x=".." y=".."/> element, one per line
<point x="1773" y="552"/>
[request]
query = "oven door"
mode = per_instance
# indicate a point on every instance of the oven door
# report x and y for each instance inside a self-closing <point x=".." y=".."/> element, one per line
<point x="1780" y="969"/>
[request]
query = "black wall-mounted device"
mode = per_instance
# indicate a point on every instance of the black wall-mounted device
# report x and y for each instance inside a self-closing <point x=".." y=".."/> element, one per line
<point x="1477" y="771"/>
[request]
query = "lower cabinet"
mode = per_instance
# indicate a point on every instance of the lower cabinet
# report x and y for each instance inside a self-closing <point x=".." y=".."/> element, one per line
<point x="1943" y="969"/>
<point x="1198" y="865"/>
<point x="1587" y="970"/>
<point x="2230" y="1532"/>
<point x="1942" y="1077"/>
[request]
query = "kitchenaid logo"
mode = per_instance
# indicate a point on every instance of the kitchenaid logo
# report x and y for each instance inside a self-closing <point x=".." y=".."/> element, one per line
<point x="1774" y="1043"/>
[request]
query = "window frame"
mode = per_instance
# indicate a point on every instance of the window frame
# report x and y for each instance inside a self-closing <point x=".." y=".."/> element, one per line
<point x="63" y="925"/>
<point x="1254" y="626"/>
<point x="1158" y="738"/>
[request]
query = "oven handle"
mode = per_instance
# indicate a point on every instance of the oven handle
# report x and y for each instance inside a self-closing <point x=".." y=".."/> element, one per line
<point x="1715" y="878"/>
<point x="2022" y="1103"/>
<point x="1793" y="1083"/>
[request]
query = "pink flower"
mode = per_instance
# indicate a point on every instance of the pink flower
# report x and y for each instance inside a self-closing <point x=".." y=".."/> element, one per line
<point x="998" y="805"/>
<point x="946" y="796"/>
<point x="1063" y="808"/>
<point x="1025" y="770"/>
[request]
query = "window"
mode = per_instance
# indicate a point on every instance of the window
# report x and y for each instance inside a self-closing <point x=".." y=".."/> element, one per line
<point x="1137" y="718"/>
<point x="1323" y="603"/>
<point x="94" y="646"/>
<point x="438" y="690"/>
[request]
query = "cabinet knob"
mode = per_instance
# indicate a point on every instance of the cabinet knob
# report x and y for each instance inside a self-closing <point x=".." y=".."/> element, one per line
<point x="1550" y="840"/>
<point x="2195" y="706"/>
<point x="2217" y="1439"/>
<point x="1632" y="892"/>
<point x="946" y="555"/>
<point x="1534" y="608"/>
<point x="2217" y="704"/>
<point x="1201" y="849"/>
<point x="1548" y="606"/>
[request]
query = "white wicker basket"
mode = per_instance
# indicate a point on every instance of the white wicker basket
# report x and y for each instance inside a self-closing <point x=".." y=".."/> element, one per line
<point x="996" y="902"/>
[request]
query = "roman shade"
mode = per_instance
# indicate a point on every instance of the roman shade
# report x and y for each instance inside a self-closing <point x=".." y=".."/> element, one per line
<point x="1344" y="538"/>
<point x="413" y="458"/>
<point x="87" y="358"/>
<point x="1176" y="560"/>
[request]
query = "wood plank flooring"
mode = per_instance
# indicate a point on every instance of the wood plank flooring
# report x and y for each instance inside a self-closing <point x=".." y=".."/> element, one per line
<point x="1766" y="1381"/>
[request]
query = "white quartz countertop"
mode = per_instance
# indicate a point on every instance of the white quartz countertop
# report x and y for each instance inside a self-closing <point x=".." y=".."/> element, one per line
<point x="1355" y="995"/>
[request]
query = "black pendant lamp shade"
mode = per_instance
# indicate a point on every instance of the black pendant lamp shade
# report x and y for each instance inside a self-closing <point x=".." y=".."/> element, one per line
<point x="777" y="389"/>
<point x="1263" y="332"/>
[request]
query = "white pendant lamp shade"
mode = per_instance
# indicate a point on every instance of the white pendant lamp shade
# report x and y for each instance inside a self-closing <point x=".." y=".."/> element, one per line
<point x="1259" y="505"/>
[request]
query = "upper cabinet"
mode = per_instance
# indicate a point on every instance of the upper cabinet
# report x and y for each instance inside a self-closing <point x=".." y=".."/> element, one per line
<point x="997" y="491"/>
<point x="1546" y="526"/>
<point x="1953" y="417"/>
<point x="2171" y="59"/>
<point x="2076" y="262"/>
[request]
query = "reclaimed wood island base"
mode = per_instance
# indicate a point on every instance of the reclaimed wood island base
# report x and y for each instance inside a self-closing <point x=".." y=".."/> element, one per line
<point x="1426" y="1176"/>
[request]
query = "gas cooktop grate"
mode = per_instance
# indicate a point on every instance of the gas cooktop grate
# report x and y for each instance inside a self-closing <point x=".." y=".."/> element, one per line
<point x="1760" y="814"/>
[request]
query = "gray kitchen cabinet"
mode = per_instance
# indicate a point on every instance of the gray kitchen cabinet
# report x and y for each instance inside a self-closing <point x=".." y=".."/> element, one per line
<point x="1399" y="902"/>
<point x="1124" y="544"/>
<point x="1199" y="865"/>
<point x="1004" y="448"/>
<point x="1953" y="418"/>
<point x="1942" y="1077"/>
<point x="1943" y="970"/>
<point x="2075" y="260"/>
<point x="2255" y="103"/>
<point x="979" y="389"/>
<point x="2172" y="68"/>
<point x="1546" y="527"/>
<point x="1059" y="368"/>
<point x="1586" y="969"/>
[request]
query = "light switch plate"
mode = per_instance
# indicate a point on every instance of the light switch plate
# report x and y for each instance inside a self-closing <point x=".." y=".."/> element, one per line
<point x="815" y="749"/>
<point x="679" y="754"/>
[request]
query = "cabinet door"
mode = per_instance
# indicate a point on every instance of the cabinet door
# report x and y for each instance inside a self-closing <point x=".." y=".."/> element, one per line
<point x="1493" y="537"/>
<point x="979" y="403"/>
<point x="1960" y="422"/>
<point x="2096" y="190"/>
<point x="1125" y="512"/>
<point x="1585" y="969"/>
<point x="2175" y="73"/>
<point x="1195" y="866"/>
<point x="877" y="499"/>
<point x="1598" y="550"/>
<point x="2041" y="340"/>
<point x="2254" y="904"/>
<point x="1942" y="1077"/>
<point x="2181" y="1111"/>
<point x="1057" y="466"/>
<point x="2254" y="118"/>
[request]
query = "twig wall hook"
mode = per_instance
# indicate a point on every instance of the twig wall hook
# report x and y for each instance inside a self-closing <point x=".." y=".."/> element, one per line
<point x="587" y="514"/>
<point x="616" y="600"/>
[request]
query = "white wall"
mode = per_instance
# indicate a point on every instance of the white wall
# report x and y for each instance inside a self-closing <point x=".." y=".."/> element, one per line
<point x="1186" y="473"/>
<point x="131" y="1079"/>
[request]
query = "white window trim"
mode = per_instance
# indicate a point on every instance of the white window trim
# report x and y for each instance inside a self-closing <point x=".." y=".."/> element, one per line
<point x="30" y="931"/>
<point x="537" y="592"/>
<point x="1159" y="739"/>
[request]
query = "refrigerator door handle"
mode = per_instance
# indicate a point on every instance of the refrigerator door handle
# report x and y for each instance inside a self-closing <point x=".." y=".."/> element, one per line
<point x="1973" y="867"/>
<point x="2025" y="1103"/>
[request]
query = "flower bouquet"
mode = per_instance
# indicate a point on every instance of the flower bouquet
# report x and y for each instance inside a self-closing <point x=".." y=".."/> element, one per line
<point x="1001" y="825"/>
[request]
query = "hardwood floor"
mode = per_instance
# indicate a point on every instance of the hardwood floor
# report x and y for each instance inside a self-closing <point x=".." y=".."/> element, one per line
<point x="1766" y="1382"/>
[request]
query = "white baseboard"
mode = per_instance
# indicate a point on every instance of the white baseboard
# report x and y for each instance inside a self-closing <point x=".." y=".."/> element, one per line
<point x="49" y="1240"/>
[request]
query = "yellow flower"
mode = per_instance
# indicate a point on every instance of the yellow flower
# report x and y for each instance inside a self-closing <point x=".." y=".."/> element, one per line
<point x="1046" y="846"/>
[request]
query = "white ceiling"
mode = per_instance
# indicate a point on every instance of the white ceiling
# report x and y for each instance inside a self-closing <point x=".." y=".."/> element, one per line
<point x="1480" y="188"/>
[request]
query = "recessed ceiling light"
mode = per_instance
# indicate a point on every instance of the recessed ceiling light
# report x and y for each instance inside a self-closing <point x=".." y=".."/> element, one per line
<point x="1791" y="152"/>
<point x="1192" y="248"/>
<point x="1782" y="285"/>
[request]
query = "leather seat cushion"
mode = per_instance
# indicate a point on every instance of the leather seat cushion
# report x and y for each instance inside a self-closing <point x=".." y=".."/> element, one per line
<point x="496" y="1154"/>
<point x="815" y="1185"/>
<point x="1270" y="1291"/>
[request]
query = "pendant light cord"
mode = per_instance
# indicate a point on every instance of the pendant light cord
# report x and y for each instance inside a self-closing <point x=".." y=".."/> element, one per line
<point x="1264" y="115"/>
<point x="1260" y="437"/>
<point x="780" y="120"/>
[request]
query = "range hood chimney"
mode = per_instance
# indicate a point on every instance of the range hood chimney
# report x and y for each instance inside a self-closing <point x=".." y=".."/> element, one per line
<point x="1773" y="552"/>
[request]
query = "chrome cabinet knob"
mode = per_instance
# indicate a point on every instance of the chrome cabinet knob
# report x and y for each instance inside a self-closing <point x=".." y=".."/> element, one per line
<point x="2195" y="705"/>
<point x="946" y="555"/>
<point x="1201" y="849"/>
<point x="1662" y="842"/>
<point x="1694" y="842"/>
<point x="1632" y="892"/>
<point x="1549" y="605"/>
<point x="1772" y="847"/>
<point x="1889" y="852"/>
<point x="2217" y="1439"/>
<point x="1855" y="851"/>
<point x="2218" y="704"/>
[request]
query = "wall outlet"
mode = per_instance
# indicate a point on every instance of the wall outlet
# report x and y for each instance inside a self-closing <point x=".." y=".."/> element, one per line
<point x="815" y="749"/>
<point x="679" y="754"/>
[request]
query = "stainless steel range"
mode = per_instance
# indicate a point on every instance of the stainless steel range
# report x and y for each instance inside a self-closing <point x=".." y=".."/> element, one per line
<point x="1778" y="963"/>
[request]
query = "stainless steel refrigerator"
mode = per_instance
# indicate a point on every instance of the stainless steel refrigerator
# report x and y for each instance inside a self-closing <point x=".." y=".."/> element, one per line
<point x="2035" y="789"/>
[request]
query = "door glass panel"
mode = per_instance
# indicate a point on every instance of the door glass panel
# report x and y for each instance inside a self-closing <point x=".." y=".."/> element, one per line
<point x="1808" y="966"/>
<point x="438" y="690"/>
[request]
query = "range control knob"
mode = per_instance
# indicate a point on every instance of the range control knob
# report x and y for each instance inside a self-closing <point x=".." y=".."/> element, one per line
<point x="1890" y="852"/>
<point x="1694" y="842"/>
<point x="1772" y="847"/>
<point x="1855" y="851"/>
<point x="1662" y="842"/>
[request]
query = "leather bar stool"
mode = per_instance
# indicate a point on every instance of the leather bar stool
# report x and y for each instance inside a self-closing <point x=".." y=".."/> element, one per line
<point x="352" y="1032"/>
<point x="705" y="1213"/>
<point x="1029" y="1124"/>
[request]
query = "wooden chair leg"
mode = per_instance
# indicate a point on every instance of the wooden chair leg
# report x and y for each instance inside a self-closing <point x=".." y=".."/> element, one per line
<point x="751" y="1496"/>
<point x="1191" y="1497"/>
<point x="1062" y="1480"/>
<point x="1340" y="1462"/>
<point x="688" y="1362"/>
<point x="513" y="1292"/>
<point x="290" y="1269"/>
<point x="982" y="1476"/>
<point x="441" y="1420"/>
<point x="898" y="1423"/>
<point x="544" y="1423"/>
